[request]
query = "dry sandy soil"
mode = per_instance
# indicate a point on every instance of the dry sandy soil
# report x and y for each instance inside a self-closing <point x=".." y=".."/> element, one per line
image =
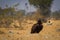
<point x="49" y="32"/>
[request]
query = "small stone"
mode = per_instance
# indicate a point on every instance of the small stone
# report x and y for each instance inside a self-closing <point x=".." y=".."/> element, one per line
<point x="10" y="32"/>
<point x="17" y="38"/>
<point x="8" y="36"/>
<point x="58" y="30"/>
<point x="17" y="32"/>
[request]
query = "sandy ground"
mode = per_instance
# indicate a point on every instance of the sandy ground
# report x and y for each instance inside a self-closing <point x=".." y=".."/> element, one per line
<point x="49" y="32"/>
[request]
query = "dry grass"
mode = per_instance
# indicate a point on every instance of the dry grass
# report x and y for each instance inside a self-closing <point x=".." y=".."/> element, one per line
<point x="49" y="32"/>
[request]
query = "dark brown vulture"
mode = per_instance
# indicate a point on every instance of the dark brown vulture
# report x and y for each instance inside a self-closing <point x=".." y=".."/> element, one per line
<point x="36" y="28"/>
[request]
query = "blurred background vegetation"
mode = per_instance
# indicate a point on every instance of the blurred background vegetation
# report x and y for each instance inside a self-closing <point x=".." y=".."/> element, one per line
<point x="9" y="14"/>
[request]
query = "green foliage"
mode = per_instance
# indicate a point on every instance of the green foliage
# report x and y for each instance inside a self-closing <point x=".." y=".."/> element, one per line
<point x="43" y="5"/>
<point x="41" y="2"/>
